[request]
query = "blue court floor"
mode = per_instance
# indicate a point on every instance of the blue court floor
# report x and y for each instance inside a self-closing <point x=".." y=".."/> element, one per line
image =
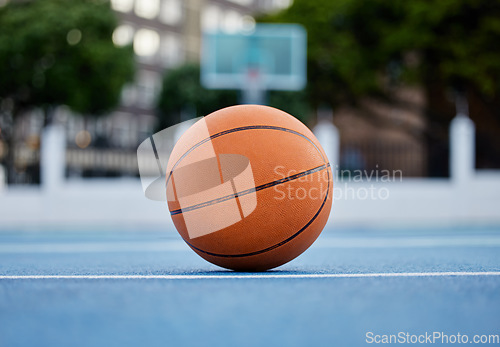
<point x="146" y="288"/>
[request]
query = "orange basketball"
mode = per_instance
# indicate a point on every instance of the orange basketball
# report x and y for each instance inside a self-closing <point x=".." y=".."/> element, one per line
<point x="249" y="187"/>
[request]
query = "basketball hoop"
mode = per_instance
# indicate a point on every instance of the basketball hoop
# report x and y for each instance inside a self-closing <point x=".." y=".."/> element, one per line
<point x="270" y="57"/>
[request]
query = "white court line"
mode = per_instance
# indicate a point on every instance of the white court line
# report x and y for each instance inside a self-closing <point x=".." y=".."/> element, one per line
<point x="251" y="276"/>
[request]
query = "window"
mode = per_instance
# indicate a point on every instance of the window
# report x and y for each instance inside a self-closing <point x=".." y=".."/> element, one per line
<point x="281" y="4"/>
<point x="123" y="35"/>
<point x="171" y="11"/>
<point x="147" y="87"/>
<point x="148" y="9"/>
<point x="172" y="54"/>
<point x="123" y="126"/>
<point x="232" y="22"/>
<point x="128" y="95"/>
<point x="146" y="42"/>
<point x="210" y="18"/>
<point x="122" y="5"/>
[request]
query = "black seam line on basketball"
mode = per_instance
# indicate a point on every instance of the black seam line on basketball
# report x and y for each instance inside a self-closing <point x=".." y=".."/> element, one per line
<point x="276" y="245"/>
<point x="249" y="127"/>
<point x="248" y="191"/>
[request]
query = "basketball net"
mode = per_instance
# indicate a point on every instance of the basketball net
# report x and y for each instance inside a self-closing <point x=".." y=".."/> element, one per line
<point x="253" y="88"/>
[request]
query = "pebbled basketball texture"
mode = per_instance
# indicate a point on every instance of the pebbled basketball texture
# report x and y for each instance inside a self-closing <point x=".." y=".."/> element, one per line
<point x="249" y="187"/>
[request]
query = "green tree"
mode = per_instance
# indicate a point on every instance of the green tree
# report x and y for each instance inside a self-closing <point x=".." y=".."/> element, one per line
<point x="367" y="48"/>
<point x="182" y="97"/>
<point x="55" y="52"/>
<point x="295" y="103"/>
<point x="352" y="42"/>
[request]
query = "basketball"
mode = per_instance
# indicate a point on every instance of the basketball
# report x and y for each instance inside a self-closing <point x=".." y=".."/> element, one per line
<point x="249" y="187"/>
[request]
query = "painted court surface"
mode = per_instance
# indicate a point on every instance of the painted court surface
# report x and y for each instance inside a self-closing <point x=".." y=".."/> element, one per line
<point x="146" y="288"/>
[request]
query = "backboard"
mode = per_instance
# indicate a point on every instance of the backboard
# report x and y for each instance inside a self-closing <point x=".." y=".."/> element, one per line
<point x="271" y="55"/>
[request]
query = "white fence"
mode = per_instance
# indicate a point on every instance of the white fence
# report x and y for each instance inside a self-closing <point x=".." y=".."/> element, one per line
<point x="468" y="198"/>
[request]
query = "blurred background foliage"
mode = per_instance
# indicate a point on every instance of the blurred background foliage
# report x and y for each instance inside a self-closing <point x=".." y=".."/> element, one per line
<point x="55" y="52"/>
<point x="183" y="97"/>
<point x="360" y="49"/>
<point x="353" y="43"/>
